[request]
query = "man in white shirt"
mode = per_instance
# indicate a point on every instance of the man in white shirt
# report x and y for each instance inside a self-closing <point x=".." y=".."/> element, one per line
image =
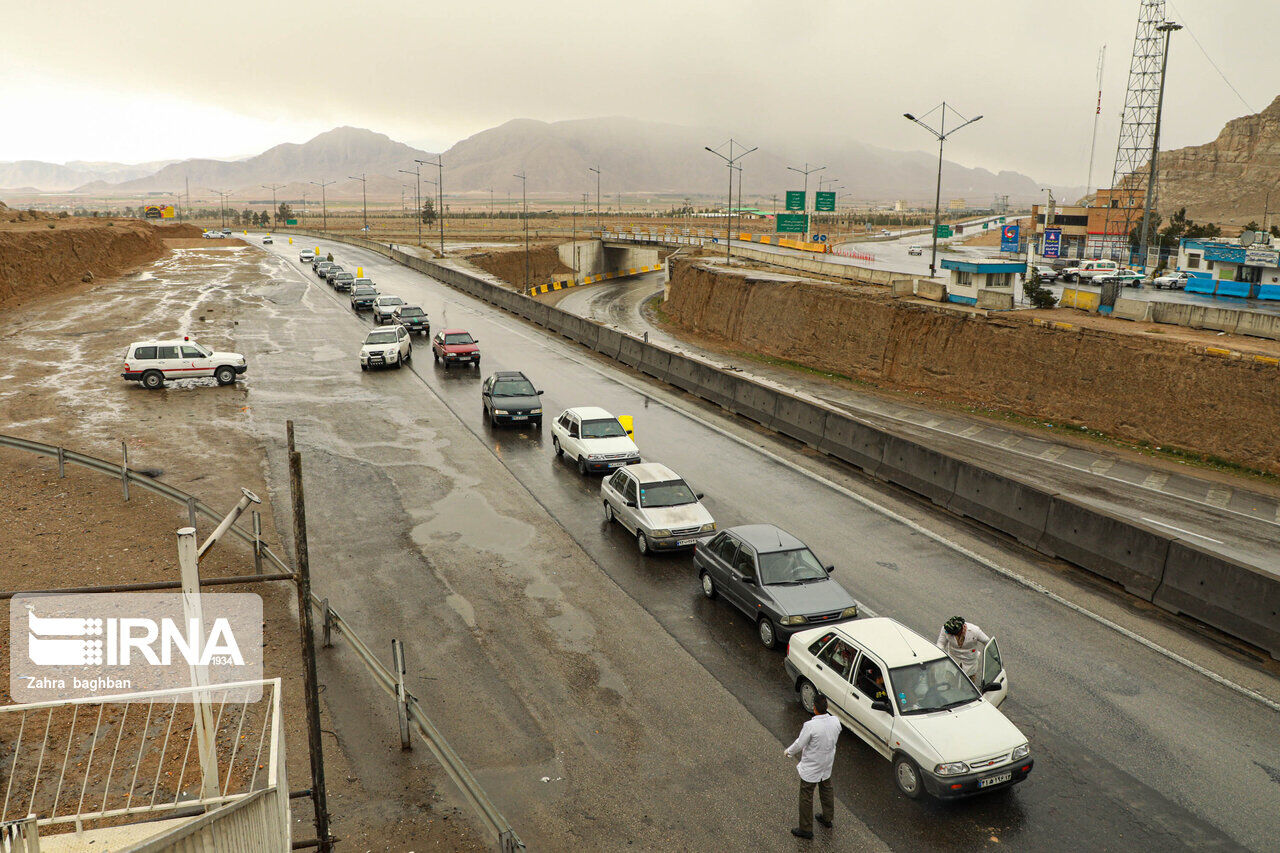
<point x="964" y="642"/>
<point x="816" y="749"/>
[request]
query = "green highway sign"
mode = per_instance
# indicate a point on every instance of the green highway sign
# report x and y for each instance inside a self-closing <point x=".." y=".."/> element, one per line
<point x="1001" y="220"/>
<point x="984" y="225"/>
<point x="291" y="222"/>
<point x="792" y="223"/>
<point x="944" y="231"/>
<point x="795" y="199"/>
<point x="824" y="201"/>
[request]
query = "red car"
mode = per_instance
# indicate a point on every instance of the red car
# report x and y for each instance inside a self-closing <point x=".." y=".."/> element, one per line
<point x="455" y="346"/>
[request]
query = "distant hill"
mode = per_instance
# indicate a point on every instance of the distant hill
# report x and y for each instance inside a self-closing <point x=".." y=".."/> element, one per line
<point x="1228" y="178"/>
<point x="55" y="177"/>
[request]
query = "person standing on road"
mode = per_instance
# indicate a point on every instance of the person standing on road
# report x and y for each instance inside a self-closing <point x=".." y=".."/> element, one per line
<point x="816" y="749"/>
<point x="963" y="642"/>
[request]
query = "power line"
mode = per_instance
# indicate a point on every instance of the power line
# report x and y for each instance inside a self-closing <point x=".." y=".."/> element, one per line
<point x="1192" y="33"/>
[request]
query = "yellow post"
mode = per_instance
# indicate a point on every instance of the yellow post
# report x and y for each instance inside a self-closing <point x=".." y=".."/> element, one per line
<point x="290" y="241"/>
<point x="627" y="424"/>
<point x="359" y="272"/>
<point x="317" y="250"/>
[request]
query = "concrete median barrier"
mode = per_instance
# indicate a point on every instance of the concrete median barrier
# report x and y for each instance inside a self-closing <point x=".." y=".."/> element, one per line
<point x="999" y="502"/>
<point x="1131" y="554"/>
<point x="755" y="402"/>
<point x="719" y="387"/>
<point x="1132" y="309"/>
<point x="608" y="342"/>
<point x="1259" y="325"/>
<point x="920" y="469"/>
<point x="853" y="441"/>
<point x="800" y="419"/>
<point x="1232" y="597"/>
<point x="538" y="312"/>
<point x="556" y="319"/>
<point x="631" y="351"/>
<point x="655" y="362"/>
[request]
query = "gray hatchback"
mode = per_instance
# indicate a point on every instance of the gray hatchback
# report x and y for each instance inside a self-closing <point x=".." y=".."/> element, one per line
<point x="774" y="578"/>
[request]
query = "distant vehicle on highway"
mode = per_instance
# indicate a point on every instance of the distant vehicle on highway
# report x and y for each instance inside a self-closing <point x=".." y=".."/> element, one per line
<point x="362" y="297"/>
<point x="1087" y="270"/>
<point x="774" y="578"/>
<point x="384" y="308"/>
<point x="657" y="506"/>
<point x="884" y="232"/>
<point x="226" y="232"/>
<point x="915" y="250"/>
<point x="386" y="347"/>
<point x="213" y="235"/>
<point x="911" y="703"/>
<point x="455" y="346"/>
<point x="412" y="318"/>
<point x="152" y="362"/>
<point x="509" y="397"/>
<point x="306" y="256"/>
<point x="594" y="439"/>
<point x="1173" y="281"/>
<point x="1046" y="273"/>
<point x="343" y="281"/>
<point x="267" y="240"/>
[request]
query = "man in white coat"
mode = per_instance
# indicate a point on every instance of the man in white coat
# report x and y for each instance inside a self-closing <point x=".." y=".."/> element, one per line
<point x="816" y="749"/>
<point x="964" y="642"/>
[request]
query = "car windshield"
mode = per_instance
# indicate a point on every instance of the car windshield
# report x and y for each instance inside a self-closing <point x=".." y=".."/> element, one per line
<point x="514" y="388"/>
<point x="363" y="291"/>
<point x="345" y="276"/>
<point x="411" y="312"/>
<point x="785" y="567"/>
<point x="391" y="300"/>
<point x="603" y="429"/>
<point x="923" y="688"/>
<point x="669" y="493"/>
<point x="460" y="338"/>
<point x="381" y="338"/>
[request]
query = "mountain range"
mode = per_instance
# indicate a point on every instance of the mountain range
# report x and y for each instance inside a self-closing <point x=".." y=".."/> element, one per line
<point x="635" y="158"/>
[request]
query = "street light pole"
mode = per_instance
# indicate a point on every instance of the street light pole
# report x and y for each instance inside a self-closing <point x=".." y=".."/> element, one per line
<point x="728" y="207"/>
<point x="364" y="196"/>
<point x="942" y="135"/>
<point x="1168" y="28"/>
<point x="524" y="196"/>
<point x="439" y="164"/>
<point x="417" y="176"/>
<point x="324" y="208"/>
<point x="275" y="222"/>
<point x="599" y="220"/>
<point x="222" y="200"/>
<point x="806" y="171"/>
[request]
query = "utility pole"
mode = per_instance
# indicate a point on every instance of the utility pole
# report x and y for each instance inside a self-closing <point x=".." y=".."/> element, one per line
<point x="728" y="207"/>
<point x="525" y="199"/>
<point x="324" y="209"/>
<point x="222" y="199"/>
<point x="1097" y="113"/>
<point x="302" y="213"/>
<point x="1148" y="210"/>
<point x="574" y="242"/>
<point x="806" y="171"/>
<point x="942" y="133"/>
<point x="439" y="164"/>
<point x="417" y="180"/>
<point x="364" y="195"/>
<point x="490" y="202"/>
<point x="599" y="219"/>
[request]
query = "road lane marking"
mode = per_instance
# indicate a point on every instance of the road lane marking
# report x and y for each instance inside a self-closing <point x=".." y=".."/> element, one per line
<point x="971" y="431"/>
<point x="1052" y="454"/>
<point x="1180" y="530"/>
<point x="546" y="339"/>
<point x="1011" y="441"/>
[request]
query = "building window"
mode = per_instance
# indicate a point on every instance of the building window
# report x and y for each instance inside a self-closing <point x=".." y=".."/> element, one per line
<point x="1193" y="262"/>
<point x="1208" y="265"/>
<point x="963" y="279"/>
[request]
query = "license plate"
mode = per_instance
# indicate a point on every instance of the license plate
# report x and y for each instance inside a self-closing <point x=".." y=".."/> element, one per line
<point x="683" y="542"/>
<point x="616" y="464"/>
<point x="464" y="358"/>
<point x="519" y="417"/>
<point x="995" y="780"/>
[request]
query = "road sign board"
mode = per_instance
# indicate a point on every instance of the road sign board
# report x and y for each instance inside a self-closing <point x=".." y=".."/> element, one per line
<point x="1009" y="238"/>
<point x="944" y="231"/>
<point x="291" y="222"/>
<point x="792" y="223"/>
<point x="1001" y="220"/>
<point x="1052" y="243"/>
<point x="795" y="199"/>
<point x="984" y="225"/>
<point x="824" y="201"/>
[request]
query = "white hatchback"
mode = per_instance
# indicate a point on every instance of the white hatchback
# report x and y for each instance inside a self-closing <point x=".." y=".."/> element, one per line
<point x="657" y="506"/>
<point x="911" y="703"/>
<point x="594" y="439"/>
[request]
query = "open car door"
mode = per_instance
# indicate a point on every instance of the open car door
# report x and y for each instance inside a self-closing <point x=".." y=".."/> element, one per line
<point x="994" y="684"/>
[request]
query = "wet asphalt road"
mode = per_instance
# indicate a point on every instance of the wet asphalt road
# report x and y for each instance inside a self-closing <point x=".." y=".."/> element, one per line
<point x="1133" y="751"/>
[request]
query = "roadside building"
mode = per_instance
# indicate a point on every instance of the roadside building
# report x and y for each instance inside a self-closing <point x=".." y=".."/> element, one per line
<point x="1227" y="268"/>
<point x="985" y="282"/>
<point x="1098" y="230"/>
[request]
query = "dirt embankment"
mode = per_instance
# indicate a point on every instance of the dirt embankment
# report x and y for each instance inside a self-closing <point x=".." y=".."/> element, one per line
<point x="508" y="265"/>
<point x="48" y="255"/>
<point x="1132" y="387"/>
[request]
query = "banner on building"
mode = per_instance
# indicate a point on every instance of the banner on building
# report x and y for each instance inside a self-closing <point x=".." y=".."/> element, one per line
<point x="1009" y="238"/>
<point x="1052" y="243"/>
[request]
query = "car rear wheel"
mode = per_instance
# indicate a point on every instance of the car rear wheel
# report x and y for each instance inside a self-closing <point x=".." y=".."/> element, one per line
<point x="642" y="543"/>
<point x="152" y="379"/>
<point x="225" y="375"/>
<point x="906" y="775"/>
<point x="555" y="445"/>
<point x="708" y="585"/>
<point x="582" y="466"/>
<point x="808" y="693"/>
<point x="768" y="634"/>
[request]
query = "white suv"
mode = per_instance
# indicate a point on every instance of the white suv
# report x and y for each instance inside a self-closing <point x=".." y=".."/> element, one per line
<point x="912" y="704"/>
<point x="385" y="347"/>
<point x="594" y="439"/>
<point x="152" y="362"/>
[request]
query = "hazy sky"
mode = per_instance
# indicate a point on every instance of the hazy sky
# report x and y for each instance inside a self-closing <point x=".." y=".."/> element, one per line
<point x="137" y="81"/>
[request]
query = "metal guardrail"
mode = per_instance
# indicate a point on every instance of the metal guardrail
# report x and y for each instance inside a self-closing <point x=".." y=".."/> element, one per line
<point x="493" y="821"/>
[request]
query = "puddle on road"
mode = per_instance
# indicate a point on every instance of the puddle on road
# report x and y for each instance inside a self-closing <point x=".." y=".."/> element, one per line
<point x="464" y="517"/>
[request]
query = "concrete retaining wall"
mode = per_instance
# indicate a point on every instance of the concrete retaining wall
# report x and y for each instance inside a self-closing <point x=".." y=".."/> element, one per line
<point x="1177" y="576"/>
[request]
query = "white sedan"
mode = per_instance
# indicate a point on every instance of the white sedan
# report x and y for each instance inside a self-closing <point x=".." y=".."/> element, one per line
<point x="911" y="703"/>
<point x="385" y="347"/>
<point x="594" y="439"/>
<point x="656" y="506"/>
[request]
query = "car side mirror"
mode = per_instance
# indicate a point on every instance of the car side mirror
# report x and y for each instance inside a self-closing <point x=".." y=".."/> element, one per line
<point x="540" y="393"/>
<point x="749" y="579"/>
<point x="631" y="503"/>
<point x="830" y="569"/>
<point x="475" y="340"/>
<point x="881" y="705"/>
<point x="699" y="495"/>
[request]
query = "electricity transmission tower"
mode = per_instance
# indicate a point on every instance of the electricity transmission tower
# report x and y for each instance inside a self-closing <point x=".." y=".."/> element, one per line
<point x="1129" y="178"/>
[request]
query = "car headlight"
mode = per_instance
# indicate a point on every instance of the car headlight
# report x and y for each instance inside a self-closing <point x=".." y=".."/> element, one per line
<point x="849" y="612"/>
<point x="1021" y="751"/>
<point x="240" y="360"/>
<point x="708" y="527"/>
<point x="792" y="620"/>
<point x="500" y="411"/>
<point x="660" y="532"/>
<point x="955" y="768"/>
<point x="535" y="411"/>
<point x="391" y="352"/>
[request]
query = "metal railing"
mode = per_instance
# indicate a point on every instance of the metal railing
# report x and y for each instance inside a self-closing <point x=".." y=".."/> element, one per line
<point x="84" y="761"/>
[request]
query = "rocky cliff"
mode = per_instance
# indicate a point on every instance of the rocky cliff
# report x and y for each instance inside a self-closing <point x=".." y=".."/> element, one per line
<point x="1229" y="178"/>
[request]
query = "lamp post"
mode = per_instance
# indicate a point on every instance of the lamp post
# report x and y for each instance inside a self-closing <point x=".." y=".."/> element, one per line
<point x="729" y="161"/>
<point x="273" y="187"/>
<point x="222" y="199"/>
<point x="941" y="133"/>
<point x="364" y="196"/>
<point x="1168" y="28"/>
<point x="806" y="171"/>
<point x="324" y="208"/>
<point x="599" y="220"/>
<point x="525" y="201"/>
<point x="417" y="182"/>
<point x="439" y="182"/>
<point x="302" y="214"/>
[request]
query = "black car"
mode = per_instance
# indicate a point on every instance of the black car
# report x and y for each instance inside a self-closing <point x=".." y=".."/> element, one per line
<point x="342" y="281"/>
<point x="774" y="578"/>
<point x="412" y="318"/>
<point x="509" y="398"/>
<point x="321" y="267"/>
<point x="332" y="272"/>
<point x="362" y="297"/>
